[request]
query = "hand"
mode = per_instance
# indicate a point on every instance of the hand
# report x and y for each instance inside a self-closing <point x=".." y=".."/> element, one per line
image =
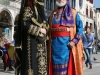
<point x="71" y="44"/>
<point x="42" y="30"/>
<point x="93" y="44"/>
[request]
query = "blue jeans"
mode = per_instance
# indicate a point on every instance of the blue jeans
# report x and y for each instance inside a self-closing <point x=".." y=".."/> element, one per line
<point x="88" y="52"/>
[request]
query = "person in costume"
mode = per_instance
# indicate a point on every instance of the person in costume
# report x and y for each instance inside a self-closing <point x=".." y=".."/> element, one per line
<point x="5" y="43"/>
<point x="65" y="49"/>
<point x="31" y="38"/>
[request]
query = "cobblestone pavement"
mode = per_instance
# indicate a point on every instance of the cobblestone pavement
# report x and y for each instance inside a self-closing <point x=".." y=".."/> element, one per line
<point x="94" y="71"/>
<point x="2" y="71"/>
<point x="96" y="66"/>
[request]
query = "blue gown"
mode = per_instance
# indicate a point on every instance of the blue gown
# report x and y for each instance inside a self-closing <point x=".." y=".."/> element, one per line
<point x="60" y="49"/>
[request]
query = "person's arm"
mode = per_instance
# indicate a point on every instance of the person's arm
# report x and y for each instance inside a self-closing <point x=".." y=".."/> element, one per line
<point x="29" y="26"/>
<point x="79" y="30"/>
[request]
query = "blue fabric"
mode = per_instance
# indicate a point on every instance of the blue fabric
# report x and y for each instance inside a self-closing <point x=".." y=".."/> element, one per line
<point x="60" y="69"/>
<point x="6" y="30"/>
<point x="13" y="42"/>
<point x="4" y="50"/>
<point x="79" y="25"/>
<point x="87" y="44"/>
<point x="88" y="52"/>
<point x="79" y="29"/>
<point x="60" y="49"/>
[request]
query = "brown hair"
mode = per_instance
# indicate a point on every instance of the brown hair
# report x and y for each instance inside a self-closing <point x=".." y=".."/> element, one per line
<point x="86" y="27"/>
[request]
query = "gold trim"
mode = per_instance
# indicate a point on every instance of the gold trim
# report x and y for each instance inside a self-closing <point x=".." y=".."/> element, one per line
<point x="41" y="25"/>
<point x="36" y="12"/>
<point x="40" y="3"/>
<point x="27" y="13"/>
<point x="34" y="30"/>
<point x="35" y="21"/>
<point x="30" y="71"/>
<point x="31" y="26"/>
<point x="18" y="47"/>
<point x="37" y="32"/>
<point x="42" y="59"/>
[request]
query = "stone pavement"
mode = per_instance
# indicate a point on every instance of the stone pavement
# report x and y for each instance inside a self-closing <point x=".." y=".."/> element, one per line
<point x="94" y="71"/>
<point x="95" y="66"/>
<point x="2" y="71"/>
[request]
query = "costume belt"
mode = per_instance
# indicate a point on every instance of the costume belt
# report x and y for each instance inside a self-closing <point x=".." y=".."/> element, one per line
<point x="58" y="31"/>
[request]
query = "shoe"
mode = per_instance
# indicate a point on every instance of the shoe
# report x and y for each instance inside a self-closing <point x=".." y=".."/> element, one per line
<point x="7" y="69"/>
<point x="13" y="67"/>
<point x="86" y="65"/>
<point x="94" y="59"/>
<point x="90" y="67"/>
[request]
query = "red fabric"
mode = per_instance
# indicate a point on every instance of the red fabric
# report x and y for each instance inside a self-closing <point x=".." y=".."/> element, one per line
<point x="71" y="66"/>
<point x="6" y="60"/>
<point x="59" y="33"/>
<point x="50" y="68"/>
<point x="7" y="45"/>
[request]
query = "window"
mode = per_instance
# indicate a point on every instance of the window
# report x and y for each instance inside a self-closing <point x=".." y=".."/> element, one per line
<point x="86" y="24"/>
<point x="91" y="26"/>
<point x="49" y="4"/>
<point x="91" y="1"/>
<point x="91" y="13"/>
<point x="87" y="10"/>
<point x="73" y="3"/>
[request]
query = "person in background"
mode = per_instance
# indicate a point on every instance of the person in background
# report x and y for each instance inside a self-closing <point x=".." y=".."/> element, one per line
<point x="6" y="30"/>
<point x="5" y="44"/>
<point x="88" y="42"/>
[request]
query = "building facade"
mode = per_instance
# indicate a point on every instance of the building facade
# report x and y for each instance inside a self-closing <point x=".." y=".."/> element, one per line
<point x="86" y="11"/>
<point x="9" y="10"/>
<point x="97" y="22"/>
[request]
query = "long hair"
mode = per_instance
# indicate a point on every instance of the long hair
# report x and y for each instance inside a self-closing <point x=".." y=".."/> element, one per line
<point x="19" y="26"/>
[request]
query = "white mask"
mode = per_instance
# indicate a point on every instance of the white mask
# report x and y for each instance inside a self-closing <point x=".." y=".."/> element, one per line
<point x="61" y="4"/>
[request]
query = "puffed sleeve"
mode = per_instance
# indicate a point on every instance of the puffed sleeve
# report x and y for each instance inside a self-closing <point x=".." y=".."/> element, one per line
<point x="79" y="29"/>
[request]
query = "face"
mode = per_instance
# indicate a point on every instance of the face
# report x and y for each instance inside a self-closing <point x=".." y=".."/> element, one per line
<point x="88" y="30"/>
<point x="61" y="3"/>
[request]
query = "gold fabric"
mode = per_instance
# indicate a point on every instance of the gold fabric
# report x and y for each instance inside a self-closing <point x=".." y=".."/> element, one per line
<point x="77" y="50"/>
<point x="11" y="50"/>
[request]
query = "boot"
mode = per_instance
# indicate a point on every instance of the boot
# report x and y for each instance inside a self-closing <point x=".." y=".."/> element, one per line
<point x="86" y="64"/>
<point x="90" y="67"/>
